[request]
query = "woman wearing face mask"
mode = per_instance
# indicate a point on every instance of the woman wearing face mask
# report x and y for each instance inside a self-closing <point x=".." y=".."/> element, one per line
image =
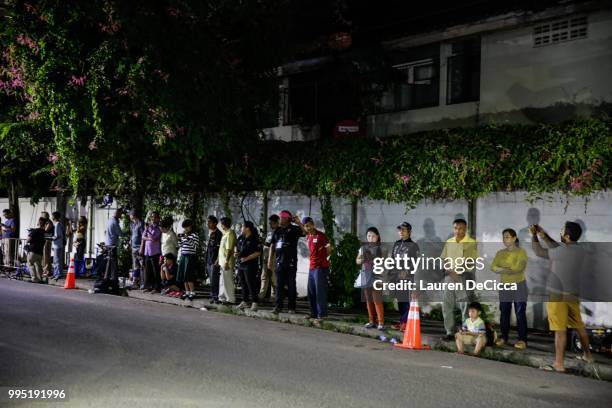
<point x="372" y="249"/>
<point x="510" y="263"/>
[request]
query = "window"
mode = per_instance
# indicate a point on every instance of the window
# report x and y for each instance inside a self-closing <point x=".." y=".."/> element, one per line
<point x="554" y="32"/>
<point x="416" y="85"/>
<point x="463" y="72"/>
<point x="302" y="102"/>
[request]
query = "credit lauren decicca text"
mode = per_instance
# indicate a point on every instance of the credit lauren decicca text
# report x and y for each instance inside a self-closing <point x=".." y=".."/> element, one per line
<point x="423" y="263"/>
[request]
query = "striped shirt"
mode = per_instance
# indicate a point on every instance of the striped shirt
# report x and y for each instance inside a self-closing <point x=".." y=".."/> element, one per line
<point x="189" y="243"/>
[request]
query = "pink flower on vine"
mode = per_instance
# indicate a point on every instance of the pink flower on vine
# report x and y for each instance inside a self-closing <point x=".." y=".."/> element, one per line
<point x="505" y="154"/>
<point x="92" y="145"/>
<point x="308" y="167"/>
<point x="576" y="184"/>
<point x="405" y="179"/>
<point x="78" y="81"/>
<point x="30" y="8"/>
<point x="174" y="12"/>
<point x="53" y="171"/>
<point x="110" y="28"/>
<point x="28" y="42"/>
<point x="456" y="162"/>
<point x="169" y="133"/>
<point x="162" y="75"/>
<point x="52" y="158"/>
<point x="17" y="83"/>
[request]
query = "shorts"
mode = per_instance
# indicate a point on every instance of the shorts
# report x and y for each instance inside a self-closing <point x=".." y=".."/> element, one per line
<point x="469" y="340"/>
<point x="186" y="269"/>
<point x="564" y="315"/>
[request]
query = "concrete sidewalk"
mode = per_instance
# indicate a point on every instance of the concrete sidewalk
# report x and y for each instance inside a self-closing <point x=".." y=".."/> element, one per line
<point x="539" y="353"/>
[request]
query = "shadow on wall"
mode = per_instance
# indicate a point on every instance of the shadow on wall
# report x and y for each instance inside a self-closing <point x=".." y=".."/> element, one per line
<point x="559" y="112"/>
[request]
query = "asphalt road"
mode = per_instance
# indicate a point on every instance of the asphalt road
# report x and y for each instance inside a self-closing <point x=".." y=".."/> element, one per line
<point x="108" y="351"/>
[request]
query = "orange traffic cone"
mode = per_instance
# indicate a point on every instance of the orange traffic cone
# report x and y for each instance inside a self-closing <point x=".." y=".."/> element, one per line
<point x="70" y="277"/>
<point x="412" y="335"/>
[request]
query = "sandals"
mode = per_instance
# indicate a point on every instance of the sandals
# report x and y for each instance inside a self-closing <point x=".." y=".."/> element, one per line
<point x="550" y="367"/>
<point x="586" y="360"/>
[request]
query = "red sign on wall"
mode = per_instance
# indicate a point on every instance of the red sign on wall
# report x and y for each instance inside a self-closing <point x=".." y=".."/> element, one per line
<point x="347" y="129"/>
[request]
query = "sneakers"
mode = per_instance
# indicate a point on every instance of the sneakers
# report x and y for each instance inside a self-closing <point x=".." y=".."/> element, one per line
<point x="448" y="337"/>
<point x="190" y="296"/>
<point x="521" y="345"/>
<point x="254" y="307"/>
<point x="500" y="342"/>
<point x="276" y="310"/>
<point x="243" y="305"/>
<point x="380" y="327"/>
<point x="369" y="325"/>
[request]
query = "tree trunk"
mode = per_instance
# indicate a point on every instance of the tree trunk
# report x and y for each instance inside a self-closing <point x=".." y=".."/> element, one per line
<point x="14" y="202"/>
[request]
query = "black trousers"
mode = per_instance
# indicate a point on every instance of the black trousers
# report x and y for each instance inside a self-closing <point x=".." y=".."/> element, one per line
<point x="249" y="283"/>
<point x="152" y="278"/>
<point x="214" y="271"/>
<point x="285" y="275"/>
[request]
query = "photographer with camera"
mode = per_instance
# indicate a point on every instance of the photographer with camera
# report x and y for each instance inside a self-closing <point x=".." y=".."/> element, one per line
<point x="34" y="246"/>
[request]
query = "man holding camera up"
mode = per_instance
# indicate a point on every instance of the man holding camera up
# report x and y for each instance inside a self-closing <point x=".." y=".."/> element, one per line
<point x="563" y="306"/>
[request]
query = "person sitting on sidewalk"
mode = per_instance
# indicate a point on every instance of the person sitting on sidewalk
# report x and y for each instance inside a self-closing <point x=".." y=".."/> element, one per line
<point x="510" y="263"/>
<point x="473" y="331"/>
<point x="563" y="306"/>
<point x="168" y="276"/>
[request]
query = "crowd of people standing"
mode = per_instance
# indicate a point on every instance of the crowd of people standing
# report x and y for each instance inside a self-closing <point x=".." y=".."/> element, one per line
<point x="166" y="262"/>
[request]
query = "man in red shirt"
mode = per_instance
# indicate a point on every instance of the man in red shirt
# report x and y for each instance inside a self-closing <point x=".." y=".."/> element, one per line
<point x="319" y="248"/>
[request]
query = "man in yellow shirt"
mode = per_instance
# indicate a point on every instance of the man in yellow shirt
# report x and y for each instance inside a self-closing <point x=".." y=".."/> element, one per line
<point x="226" y="262"/>
<point x="458" y="248"/>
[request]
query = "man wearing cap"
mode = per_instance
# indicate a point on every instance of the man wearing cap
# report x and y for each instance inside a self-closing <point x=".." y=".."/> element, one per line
<point x="283" y="251"/>
<point x="319" y="248"/>
<point x="404" y="246"/>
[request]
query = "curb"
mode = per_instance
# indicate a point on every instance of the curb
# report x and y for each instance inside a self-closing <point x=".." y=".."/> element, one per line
<point x="572" y="365"/>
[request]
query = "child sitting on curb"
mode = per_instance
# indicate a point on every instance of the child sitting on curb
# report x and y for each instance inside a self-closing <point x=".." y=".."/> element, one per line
<point x="473" y="331"/>
<point x="168" y="275"/>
